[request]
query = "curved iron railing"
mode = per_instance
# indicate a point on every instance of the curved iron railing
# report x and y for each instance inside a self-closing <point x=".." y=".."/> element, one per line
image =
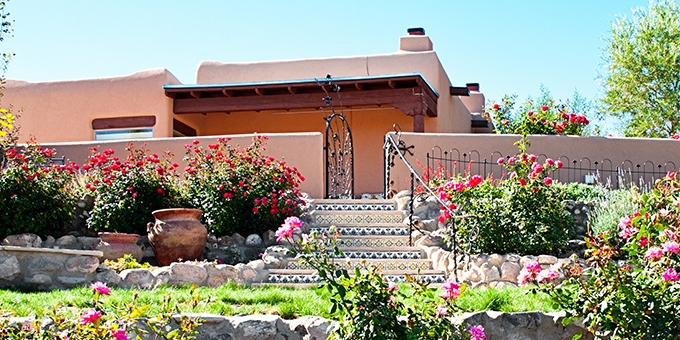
<point x="394" y="148"/>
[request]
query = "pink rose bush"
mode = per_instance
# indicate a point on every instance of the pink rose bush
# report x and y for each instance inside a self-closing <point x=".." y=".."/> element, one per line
<point x="521" y="212"/>
<point x="363" y="296"/>
<point x="630" y="290"/>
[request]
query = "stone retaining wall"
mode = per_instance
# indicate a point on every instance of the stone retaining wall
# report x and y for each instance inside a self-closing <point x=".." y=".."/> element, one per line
<point x="517" y="326"/>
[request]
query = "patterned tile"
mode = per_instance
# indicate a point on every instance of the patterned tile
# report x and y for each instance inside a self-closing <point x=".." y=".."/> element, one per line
<point x="382" y="265"/>
<point x="339" y="219"/>
<point x="353" y="207"/>
<point x="372" y="242"/>
<point x="367" y="231"/>
<point x="314" y="278"/>
<point x="383" y="255"/>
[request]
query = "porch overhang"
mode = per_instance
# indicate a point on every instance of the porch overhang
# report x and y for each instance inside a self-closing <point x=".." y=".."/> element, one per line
<point x="410" y="93"/>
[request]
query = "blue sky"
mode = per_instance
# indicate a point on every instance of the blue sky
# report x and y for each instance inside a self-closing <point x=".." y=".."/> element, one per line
<point x="507" y="46"/>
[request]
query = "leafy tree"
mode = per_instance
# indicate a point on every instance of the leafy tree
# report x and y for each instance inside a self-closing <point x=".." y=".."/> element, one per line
<point x="543" y="115"/>
<point x="642" y="84"/>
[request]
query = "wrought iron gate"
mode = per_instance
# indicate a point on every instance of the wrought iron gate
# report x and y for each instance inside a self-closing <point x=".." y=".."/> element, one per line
<point x="339" y="158"/>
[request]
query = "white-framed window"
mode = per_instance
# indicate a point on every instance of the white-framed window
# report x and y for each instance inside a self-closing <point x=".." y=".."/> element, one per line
<point x="123" y="134"/>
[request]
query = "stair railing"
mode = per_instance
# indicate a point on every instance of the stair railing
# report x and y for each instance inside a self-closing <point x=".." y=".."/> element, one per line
<point x="393" y="148"/>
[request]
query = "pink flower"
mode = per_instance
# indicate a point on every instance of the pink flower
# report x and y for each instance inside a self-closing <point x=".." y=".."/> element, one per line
<point x="559" y="164"/>
<point x="529" y="272"/>
<point x="547" y="275"/>
<point x="500" y="161"/>
<point x="496" y="106"/>
<point x="101" y="288"/>
<point x="90" y="316"/>
<point x="625" y="222"/>
<point x="643" y="241"/>
<point x="289" y="226"/>
<point x="477" y="333"/>
<point x="392" y="287"/>
<point x="63" y="335"/>
<point x="676" y="136"/>
<point x="547" y="181"/>
<point x="522" y="182"/>
<point x="511" y="160"/>
<point x="451" y="290"/>
<point x="627" y="232"/>
<point x="670" y="247"/>
<point x="549" y="162"/>
<point x="670" y="275"/>
<point x="544" y="108"/>
<point x="442" y="310"/>
<point x="654" y="253"/>
<point x="119" y="334"/>
<point x="671" y="175"/>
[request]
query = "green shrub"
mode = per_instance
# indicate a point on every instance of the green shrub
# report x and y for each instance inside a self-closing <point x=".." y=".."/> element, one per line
<point x="606" y="214"/>
<point x="523" y="214"/>
<point x="583" y="192"/>
<point x="240" y="190"/>
<point x="127" y="191"/>
<point x="35" y="196"/>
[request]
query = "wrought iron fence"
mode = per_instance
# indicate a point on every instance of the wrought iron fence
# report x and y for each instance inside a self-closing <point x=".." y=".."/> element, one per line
<point x="580" y="170"/>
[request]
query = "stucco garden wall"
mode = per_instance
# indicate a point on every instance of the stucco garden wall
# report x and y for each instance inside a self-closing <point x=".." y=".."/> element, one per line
<point x="302" y="150"/>
<point x="649" y="152"/>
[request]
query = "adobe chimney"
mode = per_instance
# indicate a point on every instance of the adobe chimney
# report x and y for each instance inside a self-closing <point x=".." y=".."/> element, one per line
<point x="415" y="41"/>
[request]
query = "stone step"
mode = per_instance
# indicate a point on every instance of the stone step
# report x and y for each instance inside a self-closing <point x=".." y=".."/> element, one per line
<point x="354" y="205"/>
<point x="397" y="229"/>
<point x="383" y="265"/>
<point x="373" y="241"/>
<point x="352" y="218"/>
<point x="306" y="277"/>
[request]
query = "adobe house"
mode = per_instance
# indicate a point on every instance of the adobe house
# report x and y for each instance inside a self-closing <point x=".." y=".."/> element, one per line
<point x="409" y="88"/>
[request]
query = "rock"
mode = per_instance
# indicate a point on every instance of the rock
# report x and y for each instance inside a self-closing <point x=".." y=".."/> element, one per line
<point x="510" y="271"/>
<point x="9" y="267"/>
<point x="109" y="277"/>
<point x="71" y="281"/>
<point x="547" y="259"/>
<point x="219" y="275"/>
<point x="430" y="224"/>
<point x="432" y="241"/>
<point x="23" y="240"/>
<point x="45" y="264"/>
<point x="137" y="278"/>
<point x="495" y="259"/>
<point x="523" y="326"/>
<point x="255" y="327"/>
<point x="253" y="240"/>
<point x="67" y="242"/>
<point x="187" y="273"/>
<point x="87" y="242"/>
<point x="317" y="327"/>
<point x="493" y="274"/>
<point x="39" y="279"/>
<point x="48" y="242"/>
<point x="269" y="237"/>
<point x="81" y="264"/>
<point x="238" y="239"/>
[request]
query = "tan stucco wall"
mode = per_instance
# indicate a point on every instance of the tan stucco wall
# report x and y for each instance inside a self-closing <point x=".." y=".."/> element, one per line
<point x="63" y="111"/>
<point x="617" y="150"/>
<point x="453" y="116"/>
<point x="301" y="150"/>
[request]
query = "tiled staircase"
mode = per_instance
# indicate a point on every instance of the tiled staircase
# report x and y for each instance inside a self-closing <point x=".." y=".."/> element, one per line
<point x="372" y="232"/>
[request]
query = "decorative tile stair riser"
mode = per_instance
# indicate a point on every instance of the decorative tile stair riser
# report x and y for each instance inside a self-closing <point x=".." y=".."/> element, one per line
<point x="371" y="233"/>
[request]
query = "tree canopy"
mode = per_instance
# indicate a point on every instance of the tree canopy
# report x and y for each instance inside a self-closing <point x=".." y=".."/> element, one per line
<point x="642" y="83"/>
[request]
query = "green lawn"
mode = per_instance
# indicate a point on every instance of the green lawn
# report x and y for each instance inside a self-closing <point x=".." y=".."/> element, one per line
<point x="233" y="299"/>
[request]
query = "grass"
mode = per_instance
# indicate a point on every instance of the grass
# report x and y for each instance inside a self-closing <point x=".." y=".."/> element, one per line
<point x="232" y="299"/>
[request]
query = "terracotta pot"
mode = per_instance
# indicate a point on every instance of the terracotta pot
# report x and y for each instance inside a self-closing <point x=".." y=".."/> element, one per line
<point x="115" y="245"/>
<point x="177" y="234"/>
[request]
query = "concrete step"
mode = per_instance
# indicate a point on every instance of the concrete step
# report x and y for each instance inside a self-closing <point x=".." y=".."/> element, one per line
<point x="397" y="229"/>
<point x="354" y="205"/>
<point x="383" y="265"/>
<point x="357" y="218"/>
<point x="306" y="277"/>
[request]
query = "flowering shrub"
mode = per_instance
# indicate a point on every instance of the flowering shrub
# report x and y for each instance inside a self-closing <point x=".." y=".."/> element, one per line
<point x="127" y="191"/>
<point x="240" y="190"/>
<point x="102" y="321"/>
<point x="521" y="214"/>
<point x="631" y="289"/>
<point x="369" y="306"/>
<point x="35" y="196"/>
<point x="543" y="117"/>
